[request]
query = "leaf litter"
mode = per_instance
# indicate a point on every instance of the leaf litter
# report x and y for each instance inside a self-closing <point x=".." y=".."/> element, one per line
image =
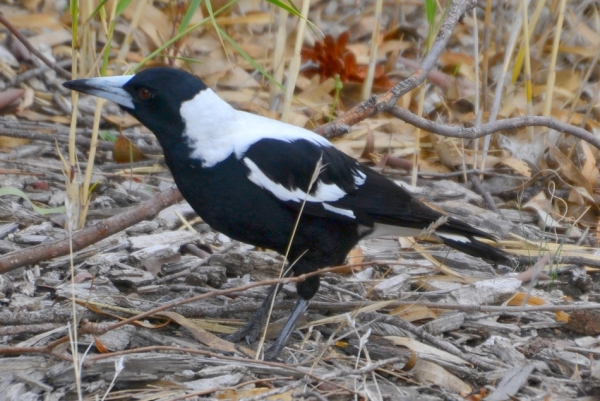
<point x="353" y="342"/>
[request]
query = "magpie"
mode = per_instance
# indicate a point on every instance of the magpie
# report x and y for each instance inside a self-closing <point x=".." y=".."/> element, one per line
<point x="271" y="184"/>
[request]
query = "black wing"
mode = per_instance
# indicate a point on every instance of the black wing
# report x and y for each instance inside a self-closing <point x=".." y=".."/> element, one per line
<point x="344" y="189"/>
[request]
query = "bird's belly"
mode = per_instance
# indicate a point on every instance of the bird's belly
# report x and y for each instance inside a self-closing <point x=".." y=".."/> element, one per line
<point x="224" y="198"/>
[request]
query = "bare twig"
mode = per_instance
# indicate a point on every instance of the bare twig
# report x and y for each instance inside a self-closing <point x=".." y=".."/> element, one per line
<point x="490" y="128"/>
<point x="489" y="201"/>
<point x="59" y="70"/>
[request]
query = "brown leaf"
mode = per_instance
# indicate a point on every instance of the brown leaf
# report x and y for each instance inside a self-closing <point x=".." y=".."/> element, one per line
<point x="203" y="336"/>
<point x="568" y="169"/>
<point x="369" y="145"/>
<point x="124" y="151"/>
<point x="99" y="346"/>
<point x="333" y="58"/>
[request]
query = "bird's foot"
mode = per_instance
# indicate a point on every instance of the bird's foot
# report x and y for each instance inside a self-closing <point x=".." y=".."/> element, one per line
<point x="250" y="331"/>
<point x="272" y="354"/>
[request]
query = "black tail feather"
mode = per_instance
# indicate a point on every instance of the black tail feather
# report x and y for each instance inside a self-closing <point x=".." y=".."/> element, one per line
<point x="479" y="249"/>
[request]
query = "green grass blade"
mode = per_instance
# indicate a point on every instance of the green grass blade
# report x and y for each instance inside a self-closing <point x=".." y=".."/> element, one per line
<point x="94" y="13"/>
<point x="430" y="10"/>
<point x="289" y="8"/>
<point x="193" y="7"/>
<point x="121" y="6"/>
<point x="74" y="26"/>
<point x="213" y="21"/>
<point x="250" y="59"/>
<point x="40" y="210"/>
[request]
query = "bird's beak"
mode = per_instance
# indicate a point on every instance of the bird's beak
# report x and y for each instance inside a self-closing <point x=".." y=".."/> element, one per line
<point x="110" y="88"/>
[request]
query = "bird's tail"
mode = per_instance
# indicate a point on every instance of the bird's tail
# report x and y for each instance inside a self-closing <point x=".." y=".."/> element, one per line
<point x="472" y="246"/>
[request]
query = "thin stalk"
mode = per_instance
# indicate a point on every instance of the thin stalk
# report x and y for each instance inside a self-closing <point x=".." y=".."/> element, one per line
<point x="510" y="48"/>
<point x="129" y="36"/>
<point x="294" y="67"/>
<point x="486" y="50"/>
<point x="552" y="71"/>
<point x="368" y="84"/>
<point x="278" y="56"/>
<point x="477" y="101"/>
<point x="528" y="86"/>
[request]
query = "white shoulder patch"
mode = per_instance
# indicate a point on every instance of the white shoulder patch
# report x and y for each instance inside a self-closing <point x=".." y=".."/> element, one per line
<point x="215" y="130"/>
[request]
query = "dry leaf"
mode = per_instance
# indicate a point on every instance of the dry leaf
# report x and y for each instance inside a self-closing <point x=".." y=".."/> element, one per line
<point x="412" y="313"/>
<point x="429" y="372"/>
<point x="540" y="204"/>
<point x="99" y="346"/>
<point x="518" y="165"/>
<point x="568" y="169"/>
<point x="203" y="336"/>
<point x="253" y="392"/>
<point x="124" y="151"/>
<point x="519" y="298"/>
<point x="589" y="169"/>
<point x="334" y="58"/>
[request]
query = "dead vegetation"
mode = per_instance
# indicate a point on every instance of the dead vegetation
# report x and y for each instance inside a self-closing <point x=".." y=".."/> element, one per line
<point x="492" y="118"/>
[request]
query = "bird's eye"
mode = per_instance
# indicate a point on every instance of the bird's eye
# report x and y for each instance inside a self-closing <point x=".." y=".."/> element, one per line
<point x="144" y="93"/>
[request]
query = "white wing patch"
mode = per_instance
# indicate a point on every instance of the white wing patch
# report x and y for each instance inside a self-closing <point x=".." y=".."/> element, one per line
<point x="328" y="192"/>
<point x="324" y="192"/>
<point x="455" y="237"/>
<point x="359" y="178"/>
<point x="343" y="212"/>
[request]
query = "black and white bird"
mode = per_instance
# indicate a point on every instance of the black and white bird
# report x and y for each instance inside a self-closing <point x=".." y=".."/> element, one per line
<point x="249" y="177"/>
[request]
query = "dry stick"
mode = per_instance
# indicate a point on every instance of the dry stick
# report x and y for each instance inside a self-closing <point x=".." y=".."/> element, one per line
<point x="387" y="100"/>
<point x="90" y="235"/>
<point x="59" y="70"/>
<point x="489" y="201"/>
<point x="489" y="128"/>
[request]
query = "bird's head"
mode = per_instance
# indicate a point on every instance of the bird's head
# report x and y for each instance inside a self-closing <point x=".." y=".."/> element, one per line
<point x="153" y="96"/>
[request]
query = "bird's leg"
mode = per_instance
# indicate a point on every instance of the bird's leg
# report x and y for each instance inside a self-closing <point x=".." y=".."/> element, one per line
<point x="252" y="329"/>
<point x="275" y="350"/>
<point x="306" y="290"/>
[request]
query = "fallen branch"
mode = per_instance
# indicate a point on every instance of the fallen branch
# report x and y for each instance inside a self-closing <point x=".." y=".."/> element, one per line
<point x="90" y="235"/>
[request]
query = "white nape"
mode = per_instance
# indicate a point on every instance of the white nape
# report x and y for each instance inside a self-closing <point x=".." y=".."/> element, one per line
<point x="215" y="130"/>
